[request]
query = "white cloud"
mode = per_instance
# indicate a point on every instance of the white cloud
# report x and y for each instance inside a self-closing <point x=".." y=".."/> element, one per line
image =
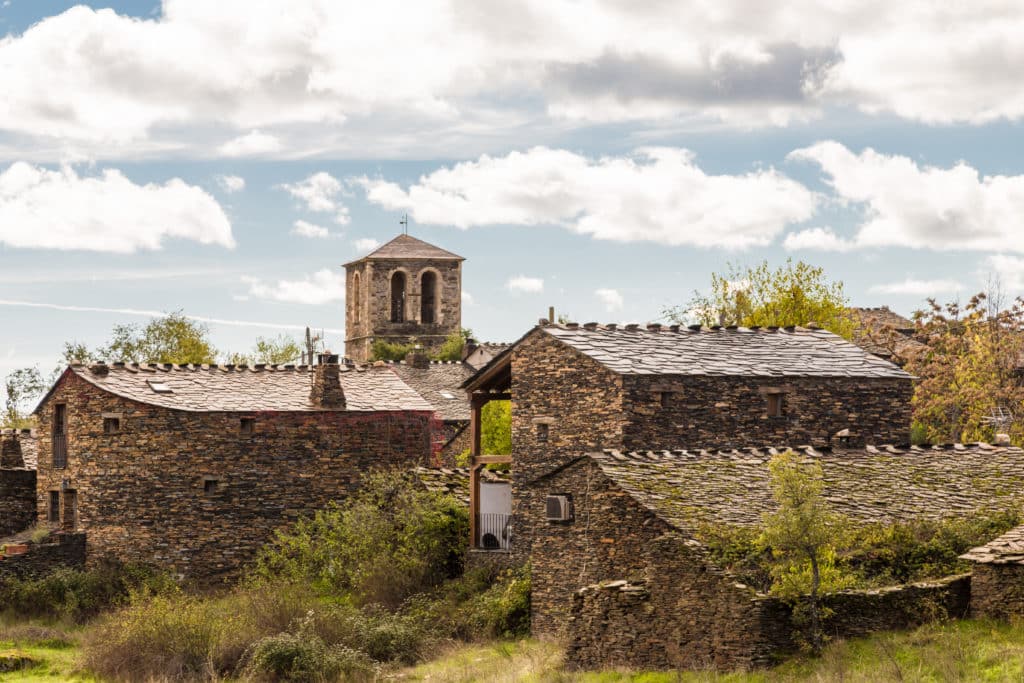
<point x="917" y="287"/>
<point x="254" y="143"/>
<point x="231" y="183"/>
<point x="658" y="195"/>
<point x="467" y="298"/>
<point x="318" y="193"/>
<point x="59" y="209"/>
<point x="522" y="283"/>
<point x="1010" y="270"/>
<point x="923" y="207"/>
<point x="611" y="298"/>
<point x="817" y="239"/>
<point x="118" y="83"/>
<point x="322" y="287"/>
<point x="306" y="229"/>
<point x="366" y="244"/>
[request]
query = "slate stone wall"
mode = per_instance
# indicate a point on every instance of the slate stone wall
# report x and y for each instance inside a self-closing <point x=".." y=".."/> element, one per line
<point x="17" y="500"/>
<point x="457" y="440"/>
<point x="997" y="591"/>
<point x="59" y="550"/>
<point x="578" y="400"/>
<point x="368" y="315"/>
<point x="191" y="493"/>
<point x="731" y="412"/>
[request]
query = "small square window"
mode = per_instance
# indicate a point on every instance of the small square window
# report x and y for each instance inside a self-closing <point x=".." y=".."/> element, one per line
<point x="248" y="425"/>
<point x="210" y="486"/>
<point x="54" y="511"/>
<point x="666" y="398"/>
<point x="775" y="405"/>
<point x="111" y="425"/>
<point x="543" y="431"/>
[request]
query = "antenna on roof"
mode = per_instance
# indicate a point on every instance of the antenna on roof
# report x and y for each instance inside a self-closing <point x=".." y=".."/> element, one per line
<point x="405" y="222"/>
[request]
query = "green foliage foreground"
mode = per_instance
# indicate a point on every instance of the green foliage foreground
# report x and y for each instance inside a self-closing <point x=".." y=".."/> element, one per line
<point x="364" y="586"/>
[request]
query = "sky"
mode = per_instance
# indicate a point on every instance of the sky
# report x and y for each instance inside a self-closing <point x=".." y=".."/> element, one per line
<point x="224" y="159"/>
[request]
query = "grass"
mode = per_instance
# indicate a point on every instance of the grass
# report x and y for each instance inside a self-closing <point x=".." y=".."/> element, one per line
<point x="53" y="652"/>
<point x="954" y="651"/>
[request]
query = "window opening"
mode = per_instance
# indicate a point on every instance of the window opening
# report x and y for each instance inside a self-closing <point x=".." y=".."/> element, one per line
<point x="54" y="512"/>
<point x="111" y="425"/>
<point x="775" y="408"/>
<point x="428" y="298"/>
<point x="248" y="425"/>
<point x="398" y="297"/>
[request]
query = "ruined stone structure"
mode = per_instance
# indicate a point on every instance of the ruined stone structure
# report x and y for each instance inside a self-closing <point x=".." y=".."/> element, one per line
<point x="61" y="549"/>
<point x="193" y="467"/>
<point x="406" y="291"/>
<point x="997" y="580"/>
<point x="17" y="480"/>
<point x="631" y="545"/>
<point x="576" y="388"/>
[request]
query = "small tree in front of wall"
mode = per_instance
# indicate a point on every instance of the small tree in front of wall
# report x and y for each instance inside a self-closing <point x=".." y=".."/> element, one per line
<point x="802" y="535"/>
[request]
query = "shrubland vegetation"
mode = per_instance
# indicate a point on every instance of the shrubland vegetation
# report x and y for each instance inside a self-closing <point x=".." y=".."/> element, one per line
<point x="449" y="350"/>
<point x="361" y="588"/>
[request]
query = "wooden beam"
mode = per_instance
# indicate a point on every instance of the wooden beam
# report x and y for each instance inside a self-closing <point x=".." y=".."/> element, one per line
<point x="474" y="503"/>
<point x="492" y="459"/>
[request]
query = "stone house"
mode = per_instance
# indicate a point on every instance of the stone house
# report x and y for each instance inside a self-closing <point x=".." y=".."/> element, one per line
<point x="406" y="291"/>
<point x="439" y="384"/>
<point x="626" y="580"/>
<point x="580" y="388"/>
<point x="193" y="467"/>
<point x="885" y="333"/>
<point x="997" y="579"/>
<point x="18" y="455"/>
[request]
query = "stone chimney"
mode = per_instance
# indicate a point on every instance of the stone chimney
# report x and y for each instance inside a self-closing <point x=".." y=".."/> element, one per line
<point x="10" y="450"/>
<point x="327" y="391"/>
<point x="468" y="348"/>
<point x="417" y="358"/>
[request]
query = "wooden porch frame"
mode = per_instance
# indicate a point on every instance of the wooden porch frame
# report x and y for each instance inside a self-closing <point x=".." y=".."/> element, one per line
<point x="477" y="461"/>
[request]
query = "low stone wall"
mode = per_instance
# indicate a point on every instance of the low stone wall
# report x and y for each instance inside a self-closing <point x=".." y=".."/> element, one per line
<point x="997" y="591"/>
<point x="17" y="500"/>
<point x="60" y="550"/>
<point x="647" y="625"/>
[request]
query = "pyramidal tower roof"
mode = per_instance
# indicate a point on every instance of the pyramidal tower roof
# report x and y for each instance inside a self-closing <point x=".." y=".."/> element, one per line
<point x="409" y="247"/>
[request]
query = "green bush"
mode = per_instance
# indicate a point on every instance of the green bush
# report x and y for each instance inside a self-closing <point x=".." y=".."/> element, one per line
<point x="480" y="605"/>
<point x="301" y="657"/>
<point x="78" y="595"/>
<point x="383" y="350"/>
<point x="869" y="555"/>
<point x="388" y="541"/>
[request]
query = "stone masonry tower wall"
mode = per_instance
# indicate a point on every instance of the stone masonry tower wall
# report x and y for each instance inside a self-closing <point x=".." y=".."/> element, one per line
<point x="405" y="292"/>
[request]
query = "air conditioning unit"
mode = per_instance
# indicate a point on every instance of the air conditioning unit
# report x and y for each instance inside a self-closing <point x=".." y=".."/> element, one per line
<point x="559" y="508"/>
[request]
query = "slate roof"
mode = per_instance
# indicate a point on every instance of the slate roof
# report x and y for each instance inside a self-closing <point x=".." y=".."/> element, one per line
<point x="686" y="488"/>
<point x="484" y="353"/>
<point x="409" y="247"/>
<point x="881" y="331"/>
<point x="758" y="352"/>
<point x="439" y="385"/>
<point x="455" y="480"/>
<point x="1007" y="549"/>
<point x="205" y="388"/>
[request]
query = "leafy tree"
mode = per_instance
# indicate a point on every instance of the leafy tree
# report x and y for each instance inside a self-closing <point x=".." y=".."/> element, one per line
<point x="451" y="349"/>
<point x="276" y="351"/>
<point x="393" y="351"/>
<point x="793" y="294"/>
<point x="496" y="428"/>
<point x="171" y="339"/>
<point x="389" y="540"/>
<point x="801" y="535"/>
<point x="969" y="369"/>
<point x="22" y="386"/>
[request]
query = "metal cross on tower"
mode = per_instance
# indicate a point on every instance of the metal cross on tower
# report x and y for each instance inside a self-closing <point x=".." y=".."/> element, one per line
<point x="405" y="222"/>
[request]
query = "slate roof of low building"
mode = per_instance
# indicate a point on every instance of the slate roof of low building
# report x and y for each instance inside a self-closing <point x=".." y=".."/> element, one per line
<point x="454" y="481"/>
<point x="883" y="484"/>
<point x="882" y="331"/>
<point x="206" y="388"/>
<point x="753" y="352"/>
<point x="1007" y="549"/>
<point x="439" y="385"/>
<point x="409" y="247"/>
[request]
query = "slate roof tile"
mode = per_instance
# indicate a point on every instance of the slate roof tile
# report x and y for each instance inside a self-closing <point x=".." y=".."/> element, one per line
<point x="436" y="383"/>
<point x="1007" y="549"/>
<point x="687" y="488"/>
<point x="454" y="480"/>
<point x="766" y="352"/>
<point x="206" y="388"/>
<point x="409" y="247"/>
